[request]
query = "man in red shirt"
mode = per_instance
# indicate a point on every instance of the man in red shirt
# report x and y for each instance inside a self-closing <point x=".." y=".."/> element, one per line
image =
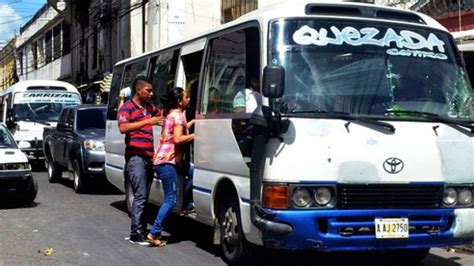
<point x="136" y="119"/>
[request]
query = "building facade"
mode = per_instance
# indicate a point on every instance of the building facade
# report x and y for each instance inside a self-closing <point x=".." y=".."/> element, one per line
<point x="8" y="74"/>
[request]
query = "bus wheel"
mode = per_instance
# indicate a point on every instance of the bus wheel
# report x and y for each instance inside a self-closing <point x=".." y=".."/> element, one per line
<point x="234" y="247"/>
<point x="408" y="256"/>
<point x="128" y="197"/>
<point x="54" y="174"/>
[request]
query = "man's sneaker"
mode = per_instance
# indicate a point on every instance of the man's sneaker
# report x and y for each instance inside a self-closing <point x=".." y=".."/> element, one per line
<point x="139" y="239"/>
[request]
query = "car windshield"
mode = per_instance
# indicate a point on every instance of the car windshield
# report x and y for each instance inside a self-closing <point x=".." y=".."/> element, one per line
<point x="6" y="139"/>
<point x="369" y="69"/>
<point x="91" y="118"/>
<point x="42" y="106"/>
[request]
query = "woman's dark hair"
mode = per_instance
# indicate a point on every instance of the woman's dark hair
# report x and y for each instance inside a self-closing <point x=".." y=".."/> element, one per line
<point x="171" y="99"/>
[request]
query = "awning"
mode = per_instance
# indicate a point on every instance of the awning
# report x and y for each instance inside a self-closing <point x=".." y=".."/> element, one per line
<point x="106" y="82"/>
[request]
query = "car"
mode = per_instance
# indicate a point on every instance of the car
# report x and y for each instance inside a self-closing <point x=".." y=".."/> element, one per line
<point x="17" y="184"/>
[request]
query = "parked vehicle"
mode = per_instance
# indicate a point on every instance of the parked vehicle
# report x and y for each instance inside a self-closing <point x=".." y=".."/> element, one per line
<point x="76" y="145"/>
<point x="16" y="179"/>
<point x="28" y="106"/>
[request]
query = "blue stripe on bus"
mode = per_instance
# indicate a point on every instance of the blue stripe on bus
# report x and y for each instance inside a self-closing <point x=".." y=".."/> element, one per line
<point x="114" y="166"/>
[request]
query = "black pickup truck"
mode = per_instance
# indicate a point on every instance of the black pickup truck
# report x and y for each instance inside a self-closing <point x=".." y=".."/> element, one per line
<point x="76" y="145"/>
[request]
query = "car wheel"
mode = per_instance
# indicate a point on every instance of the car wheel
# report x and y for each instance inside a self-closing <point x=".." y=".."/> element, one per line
<point x="234" y="247"/>
<point x="54" y="174"/>
<point x="79" y="181"/>
<point x="31" y="192"/>
<point x="128" y="197"/>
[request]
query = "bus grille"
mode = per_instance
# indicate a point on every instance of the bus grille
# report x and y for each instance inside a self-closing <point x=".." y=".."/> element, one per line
<point x="389" y="196"/>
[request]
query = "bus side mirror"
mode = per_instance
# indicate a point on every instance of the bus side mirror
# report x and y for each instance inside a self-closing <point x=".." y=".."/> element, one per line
<point x="10" y="119"/>
<point x="273" y="81"/>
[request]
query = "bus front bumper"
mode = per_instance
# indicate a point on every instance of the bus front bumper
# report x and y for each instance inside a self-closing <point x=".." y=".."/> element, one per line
<point x="345" y="230"/>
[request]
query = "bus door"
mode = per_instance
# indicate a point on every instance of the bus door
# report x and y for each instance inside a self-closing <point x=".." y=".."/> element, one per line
<point x="188" y="78"/>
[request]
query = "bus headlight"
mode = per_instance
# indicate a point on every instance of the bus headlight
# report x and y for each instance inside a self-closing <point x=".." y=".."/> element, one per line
<point x="322" y="196"/>
<point x="94" y="145"/>
<point x="301" y="197"/>
<point x="465" y="196"/>
<point x="450" y="196"/>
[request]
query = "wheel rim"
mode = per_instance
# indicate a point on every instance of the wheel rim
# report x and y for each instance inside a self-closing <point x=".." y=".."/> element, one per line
<point x="76" y="178"/>
<point x="50" y="170"/>
<point x="230" y="231"/>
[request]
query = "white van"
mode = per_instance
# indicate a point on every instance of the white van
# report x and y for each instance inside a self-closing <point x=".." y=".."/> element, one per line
<point x="29" y="106"/>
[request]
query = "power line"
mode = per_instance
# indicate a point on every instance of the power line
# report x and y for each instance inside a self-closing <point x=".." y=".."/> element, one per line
<point x="15" y="20"/>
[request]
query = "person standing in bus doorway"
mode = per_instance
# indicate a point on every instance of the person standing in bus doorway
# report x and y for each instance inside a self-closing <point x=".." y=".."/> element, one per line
<point x="135" y="119"/>
<point x="168" y="159"/>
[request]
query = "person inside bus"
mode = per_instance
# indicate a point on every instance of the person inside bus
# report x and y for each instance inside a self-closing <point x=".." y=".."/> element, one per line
<point x="124" y="95"/>
<point x="213" y="102"/>
<point x="168" y="160"/>
<point x="248" y="100"/>
<point x="136" y="119"/>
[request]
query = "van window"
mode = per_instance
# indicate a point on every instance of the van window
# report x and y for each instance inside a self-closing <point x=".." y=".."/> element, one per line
<point x="233" y="57"/>
<point x="163" y="71"/>
<point x="114" y="93"/>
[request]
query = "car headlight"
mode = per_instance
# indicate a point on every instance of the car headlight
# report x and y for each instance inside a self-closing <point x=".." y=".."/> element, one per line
<point x="94" y="145"/>
<point x="24" y="144"/>
<point x="15" y="166"/>
<point x="450" y="196"/>
<point x="322" y="196"/>
<point x="464" y="196"/>
<point x="301" y="197"/>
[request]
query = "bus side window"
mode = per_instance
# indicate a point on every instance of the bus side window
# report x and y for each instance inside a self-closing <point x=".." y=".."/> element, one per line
<point x="115" y="88"/>
<point x="163" y="70"/>
<point x="233" y="57"/>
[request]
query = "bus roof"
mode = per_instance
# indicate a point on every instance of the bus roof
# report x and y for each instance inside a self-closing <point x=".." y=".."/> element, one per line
<point x="24" y="85"/>
<point x="298" y="8"/>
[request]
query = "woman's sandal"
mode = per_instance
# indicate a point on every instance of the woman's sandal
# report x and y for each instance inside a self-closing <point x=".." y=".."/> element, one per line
<point x="187" y="212"/>
<point x="155" y="241"/>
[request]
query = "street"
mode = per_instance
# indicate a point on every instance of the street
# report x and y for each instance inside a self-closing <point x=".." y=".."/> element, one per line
<point x="63" y="227"/>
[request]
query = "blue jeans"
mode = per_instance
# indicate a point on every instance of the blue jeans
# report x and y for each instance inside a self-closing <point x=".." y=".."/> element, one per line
<point x="169" y="176"/>
<point x="139" y="173"/>
<point x="168" y="173"/>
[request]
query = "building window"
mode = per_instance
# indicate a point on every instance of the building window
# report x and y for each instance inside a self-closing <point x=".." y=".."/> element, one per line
<point x="232" y="9"/>
<point x="66" y="38"/>
<point x="49" y="46"/>
<point x="20" y="62"/>
<point x="34" y="47"/>
<point x="57" y="41"/>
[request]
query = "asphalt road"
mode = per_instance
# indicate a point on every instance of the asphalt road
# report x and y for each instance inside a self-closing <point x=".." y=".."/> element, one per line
<point x="64" y="228"/>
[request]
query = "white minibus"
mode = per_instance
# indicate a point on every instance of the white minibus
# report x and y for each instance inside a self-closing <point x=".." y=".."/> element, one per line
<point x="364" y="140"/>
<point x="29" y="106"/>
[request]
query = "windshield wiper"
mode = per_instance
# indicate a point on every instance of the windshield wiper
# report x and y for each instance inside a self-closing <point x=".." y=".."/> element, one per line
<point x="36" y="121"/>
<point x="434" y="117"/>
<point x="345" y="116"/>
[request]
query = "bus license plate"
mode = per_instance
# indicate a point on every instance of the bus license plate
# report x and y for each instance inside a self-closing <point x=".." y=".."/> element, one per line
<point x="391" y="228"/>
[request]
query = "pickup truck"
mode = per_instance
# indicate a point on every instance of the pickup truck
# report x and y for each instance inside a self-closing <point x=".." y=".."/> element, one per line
<point x="76" y="145"/>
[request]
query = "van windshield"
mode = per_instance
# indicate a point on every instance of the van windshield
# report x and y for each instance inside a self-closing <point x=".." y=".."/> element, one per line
<point x="369" y="69"/>
<point x="42" y="106"/>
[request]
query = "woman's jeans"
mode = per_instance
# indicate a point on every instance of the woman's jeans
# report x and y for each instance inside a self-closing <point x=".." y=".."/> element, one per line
<point x="169" y="176"/>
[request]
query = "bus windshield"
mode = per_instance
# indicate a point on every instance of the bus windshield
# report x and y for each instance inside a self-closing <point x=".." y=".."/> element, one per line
<point x="42" y="106"/>
<point x="369" y="70"/>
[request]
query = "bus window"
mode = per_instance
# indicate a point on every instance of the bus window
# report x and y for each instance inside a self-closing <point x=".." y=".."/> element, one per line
<point x="114" y="93"/>
<point x="233" y="57"/>
<point x="163" y="73"/>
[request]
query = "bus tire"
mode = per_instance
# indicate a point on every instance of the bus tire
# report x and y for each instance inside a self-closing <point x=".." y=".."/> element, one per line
<point x="54" y="174"/>
<point x="128" y="197"/>
<point x="408" y="256"/>
<point x="79" y="181"/>
<point x="234" y="247"/>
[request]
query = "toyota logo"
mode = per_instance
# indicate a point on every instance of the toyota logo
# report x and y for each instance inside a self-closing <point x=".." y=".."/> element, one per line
<point x="393" y="165"/>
